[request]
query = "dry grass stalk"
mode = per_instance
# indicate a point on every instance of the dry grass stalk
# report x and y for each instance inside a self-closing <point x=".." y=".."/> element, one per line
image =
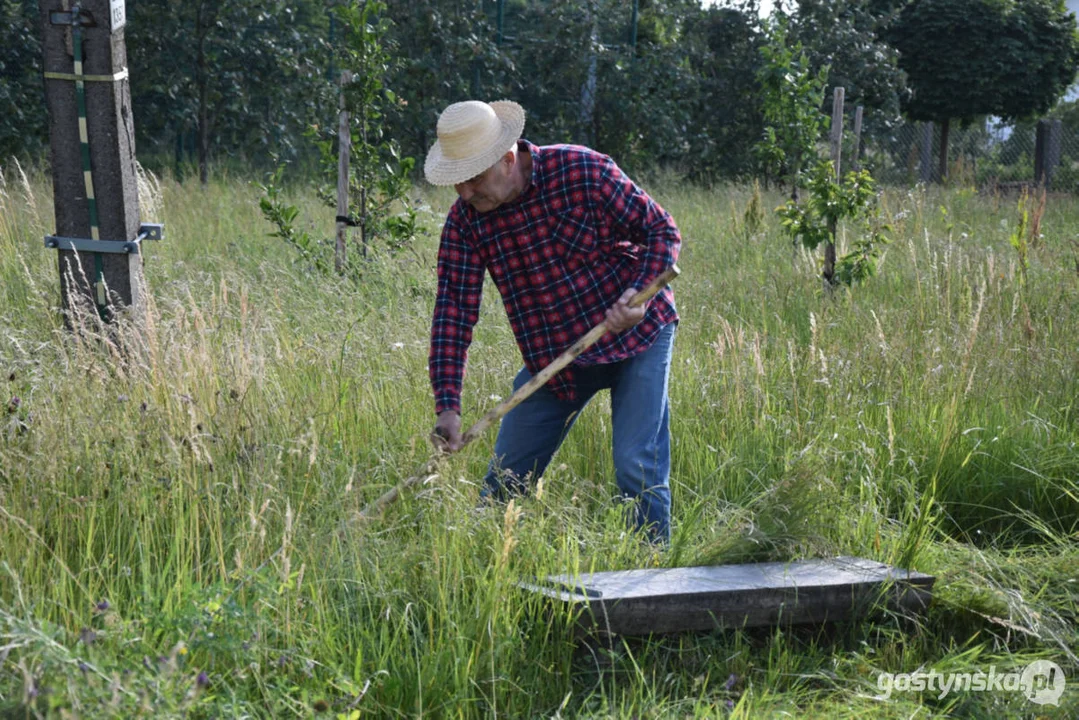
<point x="509" y="525"/>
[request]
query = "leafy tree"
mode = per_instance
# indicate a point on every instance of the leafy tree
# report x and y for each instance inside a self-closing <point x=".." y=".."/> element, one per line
<point x="313" y="253"/>
<point x="673" y="99"/>
<point x="546" y="77"/>
<point x="457" y="59"/>
<point x="576" y="69"/>
<point x="843" y="35"/>
<point x="725" y="115"/>
<point x="641" y="114"/>
<point x="241" y="76"/>
<point x="23" y="127"/>
<point x="791" y="95"/>
<point x="244" y="76"/>
<point x="968" y="58"/>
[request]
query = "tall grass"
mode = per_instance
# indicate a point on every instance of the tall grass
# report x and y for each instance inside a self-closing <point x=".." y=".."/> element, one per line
<point x="174" y="517"/>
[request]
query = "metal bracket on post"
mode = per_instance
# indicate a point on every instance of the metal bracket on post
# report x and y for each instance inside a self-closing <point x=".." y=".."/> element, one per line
<point x="147" y="231"/>
<point x="86" y="19"/>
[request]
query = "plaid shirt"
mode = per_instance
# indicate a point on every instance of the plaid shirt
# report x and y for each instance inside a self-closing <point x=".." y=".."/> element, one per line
<point x="560" y="254"/>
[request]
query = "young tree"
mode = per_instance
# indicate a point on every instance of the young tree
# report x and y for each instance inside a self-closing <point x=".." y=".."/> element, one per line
<point x="968" y="58"/>
<point x="379" y="177"/>
<point x="831" y="201"/>
<point x="791" y="96"/>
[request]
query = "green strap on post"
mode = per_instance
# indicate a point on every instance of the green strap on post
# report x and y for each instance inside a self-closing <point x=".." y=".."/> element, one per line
<point x="84" y="146"/>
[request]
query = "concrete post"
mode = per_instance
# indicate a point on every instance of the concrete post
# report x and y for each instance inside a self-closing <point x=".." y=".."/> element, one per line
<point x="1041" y="147"/>
<point x="1053" y="152"/>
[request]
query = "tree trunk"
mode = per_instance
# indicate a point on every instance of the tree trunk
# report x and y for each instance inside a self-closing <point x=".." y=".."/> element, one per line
<point x="204" y="139"/>
<point x="942" y="174"/>
<point x="794" y="179"/>
<point x="829" y="257"/>
<point x="202" y="25"/>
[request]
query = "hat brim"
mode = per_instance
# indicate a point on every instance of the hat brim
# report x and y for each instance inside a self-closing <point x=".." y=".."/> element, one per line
<point x="440" y="170"/>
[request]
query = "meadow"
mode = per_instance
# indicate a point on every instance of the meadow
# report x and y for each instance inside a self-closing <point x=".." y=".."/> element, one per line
<point x="176" y="516"/>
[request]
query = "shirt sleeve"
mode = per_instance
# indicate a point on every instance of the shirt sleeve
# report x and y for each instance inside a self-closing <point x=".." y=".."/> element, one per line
<point x="642" y="219"/>
<point x="460" y="287"/>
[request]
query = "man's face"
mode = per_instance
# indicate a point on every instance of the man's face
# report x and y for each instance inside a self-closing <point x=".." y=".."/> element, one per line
<point x="489" y="189"/>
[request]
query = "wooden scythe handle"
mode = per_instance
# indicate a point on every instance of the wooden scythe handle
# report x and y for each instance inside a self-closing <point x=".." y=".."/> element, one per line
<point x="560" y="362"/>
<point x="537" y="381"/>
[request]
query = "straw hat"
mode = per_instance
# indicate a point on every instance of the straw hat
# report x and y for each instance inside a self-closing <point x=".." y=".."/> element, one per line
<point x="472" y="136"/>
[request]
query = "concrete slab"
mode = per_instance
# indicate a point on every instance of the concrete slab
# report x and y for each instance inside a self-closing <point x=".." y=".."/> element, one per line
<point x="644" y="602"/>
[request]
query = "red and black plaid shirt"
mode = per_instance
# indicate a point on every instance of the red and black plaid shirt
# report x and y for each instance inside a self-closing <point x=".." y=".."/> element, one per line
<point x="560" y="254"/>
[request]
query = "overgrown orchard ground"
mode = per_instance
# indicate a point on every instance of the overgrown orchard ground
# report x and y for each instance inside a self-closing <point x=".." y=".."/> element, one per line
<point x="173" y="521"/>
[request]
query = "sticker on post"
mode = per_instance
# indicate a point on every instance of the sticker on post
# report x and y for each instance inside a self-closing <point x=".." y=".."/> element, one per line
<point x="117" y="14"/>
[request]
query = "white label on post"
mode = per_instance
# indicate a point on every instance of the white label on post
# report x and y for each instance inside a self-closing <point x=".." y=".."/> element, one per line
<point x="117" y="14"/>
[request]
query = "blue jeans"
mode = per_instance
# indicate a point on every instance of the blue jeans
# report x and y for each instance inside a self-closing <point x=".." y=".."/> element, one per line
<point x="640" y="418"/>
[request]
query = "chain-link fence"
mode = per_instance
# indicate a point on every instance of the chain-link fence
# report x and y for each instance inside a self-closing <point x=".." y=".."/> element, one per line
<point x="985" y="154"/>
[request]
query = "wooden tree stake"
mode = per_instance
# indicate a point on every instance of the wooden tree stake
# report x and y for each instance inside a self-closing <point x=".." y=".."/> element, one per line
<point x="837" y="130"/>
<point x="837" y="157"/>
<point x="344" y="145"/>
<point x="855" y="160"/>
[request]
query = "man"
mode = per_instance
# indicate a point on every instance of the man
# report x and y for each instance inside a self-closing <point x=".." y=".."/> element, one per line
<point x="568" y="239"/>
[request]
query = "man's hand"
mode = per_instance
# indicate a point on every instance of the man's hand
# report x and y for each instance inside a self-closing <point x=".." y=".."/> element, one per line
<point x="621" y="316"/>
<point x="447" y="433"/>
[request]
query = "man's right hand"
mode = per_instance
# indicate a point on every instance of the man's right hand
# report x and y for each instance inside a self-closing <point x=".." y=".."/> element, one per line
<point x="447" y="433"/>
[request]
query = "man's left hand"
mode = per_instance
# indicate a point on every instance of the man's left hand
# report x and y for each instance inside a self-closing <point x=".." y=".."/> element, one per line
<point x="621" y="316"/>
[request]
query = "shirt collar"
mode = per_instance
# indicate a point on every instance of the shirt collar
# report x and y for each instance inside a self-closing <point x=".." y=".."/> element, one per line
<point x="537" y="168"/>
